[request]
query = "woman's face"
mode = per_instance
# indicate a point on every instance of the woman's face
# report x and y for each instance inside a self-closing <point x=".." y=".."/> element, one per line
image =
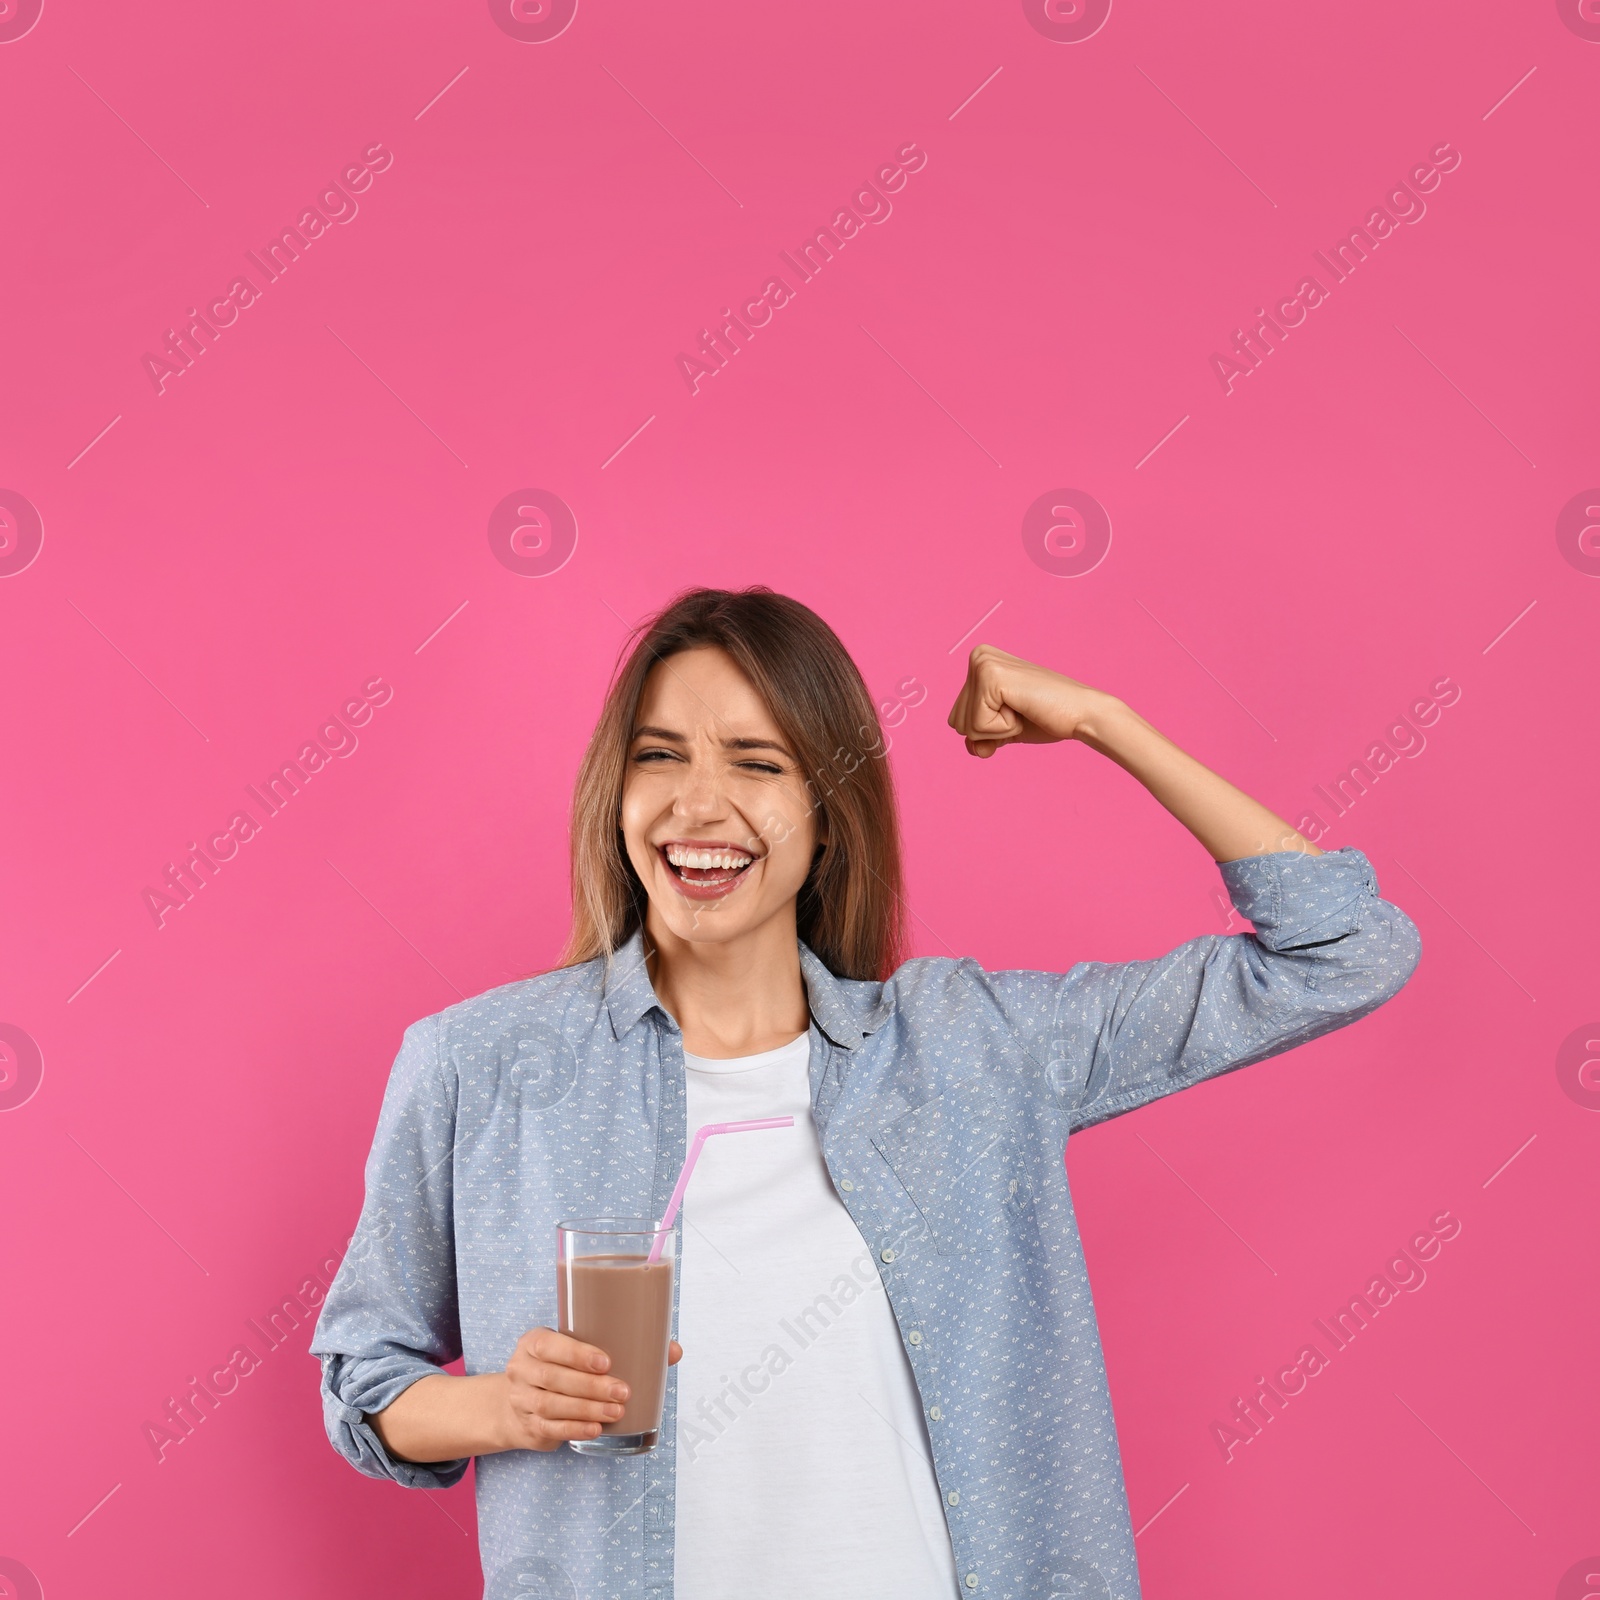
<point x="715" y="812"/>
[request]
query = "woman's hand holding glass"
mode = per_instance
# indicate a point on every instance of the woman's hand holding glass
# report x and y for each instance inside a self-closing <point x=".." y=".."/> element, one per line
<point x="557" y="1389"/>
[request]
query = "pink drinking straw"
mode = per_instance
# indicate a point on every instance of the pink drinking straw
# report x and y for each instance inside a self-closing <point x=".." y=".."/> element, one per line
<point x="688" y="1168"/>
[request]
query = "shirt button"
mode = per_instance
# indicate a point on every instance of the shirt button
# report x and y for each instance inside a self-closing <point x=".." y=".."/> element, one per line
<point x="972" y="1580"/>
<point x="888" y="1255"/>
<point x="954" y="1497"/>
<point x="935" y="1413"/>
<point x="914" y="1337"/>
<point x="846" y="1185"/>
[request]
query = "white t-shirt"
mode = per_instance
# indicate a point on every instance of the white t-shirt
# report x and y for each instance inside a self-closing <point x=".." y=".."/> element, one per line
<point x="804" y="1466"/>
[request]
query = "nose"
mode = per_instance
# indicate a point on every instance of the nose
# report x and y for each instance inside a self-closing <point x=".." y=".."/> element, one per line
<point x="699" y="796"/>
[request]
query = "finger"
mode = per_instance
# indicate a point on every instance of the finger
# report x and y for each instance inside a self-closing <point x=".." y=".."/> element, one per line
<point x="975" y="716"/>
<point x="962" y="708"/>
<point x="553" y="1378"/>
<point x="993" y="713"/>
<point x="958" y="711"/>
<point x="545" y="1435"/>
<point x="674" y="1353"/>
<point x="533" y="1432"/>
<point x="545" y="1344"/>
<point x="562" y="1408"/>
<point x="995" y="728"/>
<point x="986" y="715"/>
<point x="985" y="741"/>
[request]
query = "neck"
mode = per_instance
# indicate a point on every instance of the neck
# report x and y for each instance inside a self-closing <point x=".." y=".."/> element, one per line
<point x="735" y="998"/>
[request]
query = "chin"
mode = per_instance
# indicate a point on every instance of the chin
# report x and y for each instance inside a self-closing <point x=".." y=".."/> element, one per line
<point x="708" y="927"/>
<point x="719" y="922"/>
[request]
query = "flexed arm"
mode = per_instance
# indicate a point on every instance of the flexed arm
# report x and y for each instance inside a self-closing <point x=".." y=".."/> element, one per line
<point x="1006" y="700"/>
<point x="1325" y="948"/>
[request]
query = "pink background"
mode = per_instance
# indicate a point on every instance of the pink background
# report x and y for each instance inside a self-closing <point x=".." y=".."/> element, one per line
<point x="307" y="507"/>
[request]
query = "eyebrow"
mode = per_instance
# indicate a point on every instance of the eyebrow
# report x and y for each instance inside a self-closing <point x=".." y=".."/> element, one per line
<point x="727" y="744"/>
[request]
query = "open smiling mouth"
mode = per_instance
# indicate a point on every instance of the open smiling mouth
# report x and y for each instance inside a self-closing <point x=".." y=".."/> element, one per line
<point x="706" y="871"/>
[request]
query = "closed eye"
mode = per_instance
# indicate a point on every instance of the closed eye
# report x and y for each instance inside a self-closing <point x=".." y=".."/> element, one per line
<point x="655" y="756"/>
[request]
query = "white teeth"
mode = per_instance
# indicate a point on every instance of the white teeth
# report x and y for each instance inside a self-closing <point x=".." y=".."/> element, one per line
<point x="708" y="860"/>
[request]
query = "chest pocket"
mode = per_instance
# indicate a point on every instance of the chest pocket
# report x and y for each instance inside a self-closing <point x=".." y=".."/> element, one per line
<point x="957" y="1161"/>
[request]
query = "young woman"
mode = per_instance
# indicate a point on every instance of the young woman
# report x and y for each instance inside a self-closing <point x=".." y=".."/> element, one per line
<point x="890" y="1381"/>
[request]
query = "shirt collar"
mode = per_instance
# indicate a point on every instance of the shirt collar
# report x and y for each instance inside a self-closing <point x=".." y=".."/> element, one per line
<point x="846" y="1012"/>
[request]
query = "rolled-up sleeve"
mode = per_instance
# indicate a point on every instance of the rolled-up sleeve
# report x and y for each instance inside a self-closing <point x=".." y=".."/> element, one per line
<point x="390" y="1317"/>
<point x="1326" y="951"/>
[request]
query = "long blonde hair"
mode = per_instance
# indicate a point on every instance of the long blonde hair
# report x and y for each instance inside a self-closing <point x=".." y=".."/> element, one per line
<point x="850" y="909"/>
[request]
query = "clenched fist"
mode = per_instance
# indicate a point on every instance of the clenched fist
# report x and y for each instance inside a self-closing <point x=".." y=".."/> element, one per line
<point x="1007" y="700"/>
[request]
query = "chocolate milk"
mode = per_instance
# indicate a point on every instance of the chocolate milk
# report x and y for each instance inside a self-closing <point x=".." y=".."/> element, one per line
<point x="623" y="1305"/>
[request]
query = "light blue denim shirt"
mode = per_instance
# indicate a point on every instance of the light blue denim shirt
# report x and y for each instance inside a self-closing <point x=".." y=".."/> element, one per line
<point x="943" y="1100"/>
